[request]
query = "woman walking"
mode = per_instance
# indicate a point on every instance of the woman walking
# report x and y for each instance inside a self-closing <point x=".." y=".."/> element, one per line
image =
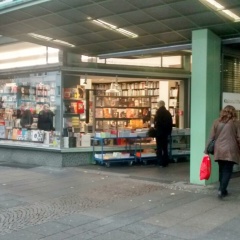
<point x="226" y="131"/>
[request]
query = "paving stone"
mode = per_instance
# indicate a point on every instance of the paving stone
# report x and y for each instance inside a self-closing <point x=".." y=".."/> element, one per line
<point x="185" y="232"/>
<point x="219" y="234"/>
<point x="49" y="228"/>
<point x="21" y="235"/>
<point x="84" y="236"/>
<point x="76" y="220"/>
<point x="117" y="234"/>
<point x="11" y="203"/>
<point x="57" y="236"/>
<point x="141" y="229"/>
<point x="161" y="236"/>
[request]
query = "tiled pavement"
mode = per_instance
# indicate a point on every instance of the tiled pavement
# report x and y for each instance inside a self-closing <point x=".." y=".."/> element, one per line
<point x="92" y="202"/>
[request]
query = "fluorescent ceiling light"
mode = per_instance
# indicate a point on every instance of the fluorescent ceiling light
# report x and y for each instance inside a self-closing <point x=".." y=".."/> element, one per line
<point x="114" y="28"/>
<point x="40" y="37"/>
<point x="49" y="39"/>
<point x="221" y="9"/>
<point x="232" y="15"/>
<point x="213" y="4"/>
<point x="63" y="42"/>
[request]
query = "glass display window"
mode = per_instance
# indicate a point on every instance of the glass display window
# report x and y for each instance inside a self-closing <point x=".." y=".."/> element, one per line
<point x="30" y="110"/>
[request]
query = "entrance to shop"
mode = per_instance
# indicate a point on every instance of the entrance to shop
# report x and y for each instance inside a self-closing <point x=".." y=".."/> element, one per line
<point x="175" y="172"/>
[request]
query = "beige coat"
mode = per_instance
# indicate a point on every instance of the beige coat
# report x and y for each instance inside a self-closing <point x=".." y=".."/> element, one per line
<point x="227" y="145"/>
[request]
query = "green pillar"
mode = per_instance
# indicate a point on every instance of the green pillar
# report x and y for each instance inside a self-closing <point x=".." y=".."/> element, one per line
<point x="205" y="97"/>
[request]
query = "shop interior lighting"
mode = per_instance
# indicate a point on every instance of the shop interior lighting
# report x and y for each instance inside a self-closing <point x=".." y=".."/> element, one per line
<point x="114" y="89"/>
<point x="48" y="39"/>
<point x="221" y="9"/>
<point x="114" y="28"/>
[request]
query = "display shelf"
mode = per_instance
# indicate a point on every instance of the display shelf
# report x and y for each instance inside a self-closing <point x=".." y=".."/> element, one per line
<point x="73" y="99"/>
<point x="120" y="111"/>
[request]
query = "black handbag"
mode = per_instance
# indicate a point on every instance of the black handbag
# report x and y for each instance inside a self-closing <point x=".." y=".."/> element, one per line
<point x="152" y="132"/>
<point x="210" y="147"/>
<point x="211" y="144"/>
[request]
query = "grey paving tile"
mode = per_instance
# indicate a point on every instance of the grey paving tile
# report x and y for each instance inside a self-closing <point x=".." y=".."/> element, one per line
<point x="232" y="226"/>
<point x="21" y="235"/>
<point x="83" y="228"/>
<point x="161" y="236"/>
<point x="84" y="236"/>
<point x="57" y="236"/>
<point x="163" y="220"/>
<point x="48" y="228"/>
<point x="220" y="234"/>
<point x="185" y="232"/>
<point x="117" y="224"/>
<point x="11" y="203"/>
<point x="141" y="229"/>
<point x="8" y="196"/>
<point x="100" y="212"/>
<point x="118" y="235"/>
<point x="76" y="220"/>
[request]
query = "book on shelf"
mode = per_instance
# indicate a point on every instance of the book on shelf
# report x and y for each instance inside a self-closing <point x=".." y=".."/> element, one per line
<point x="107" y="113"/>
<point x="121" y="113"/>
<point x="99" y="112"/>
<point x="99" y="101"/>
<point x="132" y="113"/>
<point x="123" y="102"/>
<point x="69" y="93"/>
<point x="115" y="113"/>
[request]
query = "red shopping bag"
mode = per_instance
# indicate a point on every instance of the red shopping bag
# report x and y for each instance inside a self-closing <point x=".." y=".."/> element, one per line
<point x="205" y="168"/>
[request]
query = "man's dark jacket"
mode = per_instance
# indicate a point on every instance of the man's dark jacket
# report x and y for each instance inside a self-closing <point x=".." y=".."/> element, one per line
<point x="163" y="122"/>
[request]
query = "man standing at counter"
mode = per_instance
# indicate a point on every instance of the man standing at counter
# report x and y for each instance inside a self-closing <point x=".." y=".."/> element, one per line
<point x="163" y="125"/>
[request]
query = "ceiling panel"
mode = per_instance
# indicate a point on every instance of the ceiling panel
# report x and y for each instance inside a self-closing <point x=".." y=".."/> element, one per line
<point x="35" y="11"/>
<point x="75" y="29"/>
<point x="129" y="44"/>
<point x="146" y="4"/>
<point x="37" y="24"/>
<point x="53" y="7"/>
<point x="75" y="3"/>
<point x="162" y="12"/>
<point x="73" y="15"/>
<point x="96" y="11"/>
<point x="149" y="40"/>
<point x="207" y="19"/>
<point x="223" y="29"/>
<point x="194" y="7"/>
<point x="55" y="33"/>
<point x="55" y="20"/>
<point x="154" y="27"/>
<point x="156" y="22"/>
<point x="76" y="40"/>
<point x="171" y="37"/>
<point x="179" y="23"/>
<point x="122" y="8"/>
<point x="93" y="37"/>
<point x="137" y="17"/>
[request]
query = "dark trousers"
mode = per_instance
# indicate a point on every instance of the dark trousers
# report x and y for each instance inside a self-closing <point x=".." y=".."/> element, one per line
<point x="225" y="173"/>
<point x="162" y="150"/>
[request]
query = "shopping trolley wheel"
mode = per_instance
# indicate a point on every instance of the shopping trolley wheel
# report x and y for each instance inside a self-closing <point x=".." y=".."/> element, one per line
<point x="107" y="164"/>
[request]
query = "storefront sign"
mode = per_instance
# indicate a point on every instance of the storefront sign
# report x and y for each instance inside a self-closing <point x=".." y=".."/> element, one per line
<point x="232" y="99"/>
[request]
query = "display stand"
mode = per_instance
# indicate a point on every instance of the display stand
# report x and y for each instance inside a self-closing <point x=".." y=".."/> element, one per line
<point x="180" y="145"/>
<point x="129" y="155"/>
